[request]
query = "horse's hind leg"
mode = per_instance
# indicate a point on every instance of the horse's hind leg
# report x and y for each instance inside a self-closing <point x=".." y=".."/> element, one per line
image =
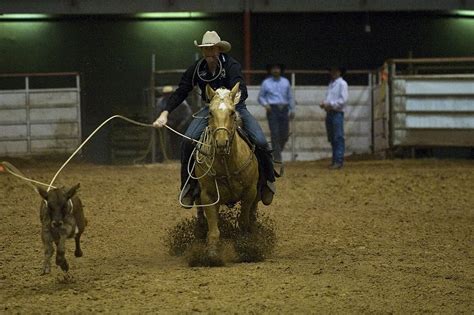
<point x="248" y="211"/>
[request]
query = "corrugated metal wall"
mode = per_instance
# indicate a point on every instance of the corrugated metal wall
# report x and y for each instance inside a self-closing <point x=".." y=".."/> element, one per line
<point x="308" y="129"/>
<point x="432" y="110"/>
<point x="39" y="121"/>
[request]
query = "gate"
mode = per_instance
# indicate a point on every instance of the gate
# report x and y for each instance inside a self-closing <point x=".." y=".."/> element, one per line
<point x="432" y="106"/>
<point x="39" y="120"/>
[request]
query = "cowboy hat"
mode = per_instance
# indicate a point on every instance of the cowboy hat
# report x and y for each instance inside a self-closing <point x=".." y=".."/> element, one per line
<point x="270" y="66"/>
<point x="167" y="89"/>
<point x="341" y="69"/>
<point x="211" y="38"/>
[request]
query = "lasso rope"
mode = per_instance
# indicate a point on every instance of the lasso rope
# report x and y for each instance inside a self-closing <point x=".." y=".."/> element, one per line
<point x="202" y="154"/>
<point x="17" y="173"/>
<point x="103" y="124"/>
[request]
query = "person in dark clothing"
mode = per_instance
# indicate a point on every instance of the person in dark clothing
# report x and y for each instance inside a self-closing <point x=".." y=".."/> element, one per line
<point x="179" y="120"/>
<point x="217" y="69"/>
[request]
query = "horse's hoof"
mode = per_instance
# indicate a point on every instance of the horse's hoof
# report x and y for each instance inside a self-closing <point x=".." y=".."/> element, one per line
<point x="78" y="253"/>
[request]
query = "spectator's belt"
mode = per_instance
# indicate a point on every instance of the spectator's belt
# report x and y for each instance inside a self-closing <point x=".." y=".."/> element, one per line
<point x="280" y="106"/>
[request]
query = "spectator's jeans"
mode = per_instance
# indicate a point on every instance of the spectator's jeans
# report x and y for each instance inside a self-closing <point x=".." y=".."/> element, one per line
<point x="335" y="131"/>
<point x="278" y="121"/>
<point x="251" y="127"/>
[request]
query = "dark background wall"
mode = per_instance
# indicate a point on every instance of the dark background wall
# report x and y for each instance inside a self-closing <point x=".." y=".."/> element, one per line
<point x="113" y="54"/>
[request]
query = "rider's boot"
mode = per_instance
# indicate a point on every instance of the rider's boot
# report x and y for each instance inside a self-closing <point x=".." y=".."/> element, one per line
<point x="268" y="190"/>
<point x="187" y="196"/>
<point x="189" y="186"/>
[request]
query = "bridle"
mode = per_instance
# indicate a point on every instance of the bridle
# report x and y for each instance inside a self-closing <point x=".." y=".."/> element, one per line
<point x="230" y="133"/>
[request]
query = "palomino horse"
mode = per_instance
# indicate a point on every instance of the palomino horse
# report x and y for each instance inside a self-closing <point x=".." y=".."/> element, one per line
<point x="232" y="168"/>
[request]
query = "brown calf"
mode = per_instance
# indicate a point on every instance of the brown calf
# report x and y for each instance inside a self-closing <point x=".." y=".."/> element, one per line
<point x="62" y="217"/>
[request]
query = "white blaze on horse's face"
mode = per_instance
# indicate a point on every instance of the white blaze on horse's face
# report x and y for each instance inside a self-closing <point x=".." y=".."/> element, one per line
<point x="221" y="121"/>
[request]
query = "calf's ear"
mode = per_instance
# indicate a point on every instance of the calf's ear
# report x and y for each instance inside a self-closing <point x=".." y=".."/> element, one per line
<point x="43" y="193"/>
<point x="72" y="191"/>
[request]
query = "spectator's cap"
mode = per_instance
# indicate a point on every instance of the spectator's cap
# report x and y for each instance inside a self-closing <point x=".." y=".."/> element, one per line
<point x="167" y="89"/>
<point x="211" y="38"/>
<point x="270" y="66"/>
<point x="341" y="69"/>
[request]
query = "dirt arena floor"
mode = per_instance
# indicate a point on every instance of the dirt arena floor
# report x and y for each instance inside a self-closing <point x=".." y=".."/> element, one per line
<point x="376" y="237"/>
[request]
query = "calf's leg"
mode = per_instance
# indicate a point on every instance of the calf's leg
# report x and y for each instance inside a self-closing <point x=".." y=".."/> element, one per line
<point x="78" y="251"/>
<point x="60" y="253"/>
<point x="48" y="251"/>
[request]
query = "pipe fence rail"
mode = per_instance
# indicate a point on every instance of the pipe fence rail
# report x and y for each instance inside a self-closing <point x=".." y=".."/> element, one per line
<point x="40" y="113"/>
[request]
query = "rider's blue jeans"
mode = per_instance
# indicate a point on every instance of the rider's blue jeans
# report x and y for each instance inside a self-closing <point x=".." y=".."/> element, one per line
<point x="251" y="127"/>
<point x="335" y="131"/>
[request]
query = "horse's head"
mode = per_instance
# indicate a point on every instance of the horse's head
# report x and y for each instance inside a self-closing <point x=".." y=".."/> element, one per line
<point x="222" y="116"/>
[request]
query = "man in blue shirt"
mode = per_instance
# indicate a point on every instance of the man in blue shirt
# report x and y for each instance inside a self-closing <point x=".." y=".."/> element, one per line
<point x="277" y="98"/>
<point x="333" y="104"/>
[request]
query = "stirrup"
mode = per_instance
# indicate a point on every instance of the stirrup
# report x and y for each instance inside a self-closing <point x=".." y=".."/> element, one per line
<point x="282" y="168"/>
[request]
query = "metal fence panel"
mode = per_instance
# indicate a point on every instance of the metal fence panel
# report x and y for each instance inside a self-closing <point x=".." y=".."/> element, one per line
<point x="40" y="120"/>
<point x="433" y="110"/>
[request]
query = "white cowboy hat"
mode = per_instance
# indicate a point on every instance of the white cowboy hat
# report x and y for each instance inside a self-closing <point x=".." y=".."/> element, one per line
<point x="211" y="38"/>
<point x="167" y="89"/>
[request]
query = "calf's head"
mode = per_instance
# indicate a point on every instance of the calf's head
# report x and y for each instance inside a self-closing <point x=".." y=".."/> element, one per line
<point x="58" y="203"/>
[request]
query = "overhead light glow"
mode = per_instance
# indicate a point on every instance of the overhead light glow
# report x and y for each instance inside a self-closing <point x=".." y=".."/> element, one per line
<point x="23" y="16"/>
<point x="469" y="13"/>
<point x="170" y="15"/>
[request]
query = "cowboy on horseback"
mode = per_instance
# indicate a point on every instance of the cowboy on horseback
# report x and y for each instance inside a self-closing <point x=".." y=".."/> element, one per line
<point x="217" y="69"/>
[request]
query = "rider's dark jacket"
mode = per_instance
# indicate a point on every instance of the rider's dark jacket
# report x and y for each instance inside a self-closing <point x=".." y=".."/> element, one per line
<point x="229" y="76"/>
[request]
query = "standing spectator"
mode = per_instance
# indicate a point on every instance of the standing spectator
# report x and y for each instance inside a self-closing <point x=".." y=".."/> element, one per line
<point x="178" y="120"/>
<point x="333" y="104"/>
<point x="277" y="98"/>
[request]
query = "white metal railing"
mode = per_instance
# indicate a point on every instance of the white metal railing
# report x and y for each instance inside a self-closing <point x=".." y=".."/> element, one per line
<point x="39" y="120"/>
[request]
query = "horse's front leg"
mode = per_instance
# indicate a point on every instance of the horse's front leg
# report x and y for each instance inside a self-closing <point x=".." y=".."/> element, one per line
<point x="200" y="228"/>
<point x="213" y="233"/>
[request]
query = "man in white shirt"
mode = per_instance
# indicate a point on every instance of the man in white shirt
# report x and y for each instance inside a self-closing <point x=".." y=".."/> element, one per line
<point x="333" y="104"/>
